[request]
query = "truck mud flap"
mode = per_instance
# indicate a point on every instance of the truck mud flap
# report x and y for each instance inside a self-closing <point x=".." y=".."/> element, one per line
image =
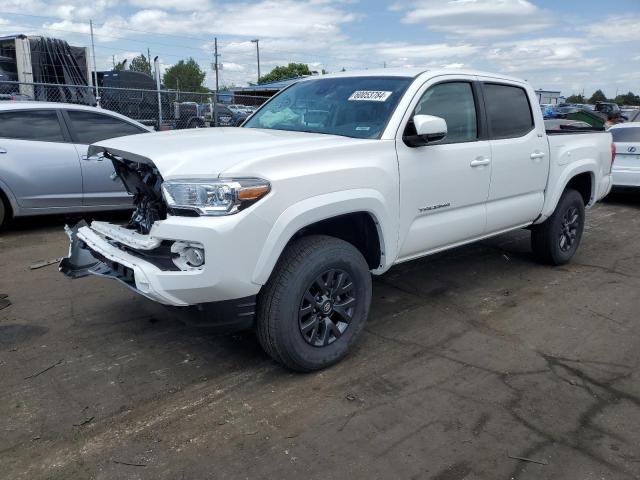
<point x="80" y="261"/>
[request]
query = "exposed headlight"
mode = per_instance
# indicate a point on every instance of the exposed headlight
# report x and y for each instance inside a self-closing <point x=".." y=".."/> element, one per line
<point x="216" y="197"/>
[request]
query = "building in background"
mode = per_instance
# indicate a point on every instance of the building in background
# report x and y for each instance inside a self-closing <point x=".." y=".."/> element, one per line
<point x="549" y="97"/>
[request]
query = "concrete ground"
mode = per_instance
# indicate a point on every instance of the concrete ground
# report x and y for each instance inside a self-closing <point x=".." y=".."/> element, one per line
<point x="471" y="358"/>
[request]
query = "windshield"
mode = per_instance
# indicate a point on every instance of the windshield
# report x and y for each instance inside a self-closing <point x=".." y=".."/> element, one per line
<point x="356" y="107"/>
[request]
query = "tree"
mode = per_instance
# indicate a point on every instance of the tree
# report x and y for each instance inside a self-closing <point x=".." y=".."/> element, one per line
<point x="120" y="65"/>
<point x="598" y="96"/>
<point x="185" y="76"/>
<point x="628" y="99"/>
<point x="576" y="98"/>
<point x="140" y="64"/>
<point x="292" y="70"/>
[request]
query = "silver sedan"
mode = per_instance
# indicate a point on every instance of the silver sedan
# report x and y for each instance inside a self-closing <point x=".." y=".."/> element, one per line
<point x="44" y="167"/>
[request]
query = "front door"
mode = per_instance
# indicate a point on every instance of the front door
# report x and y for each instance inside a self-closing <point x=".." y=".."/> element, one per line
<point x="444" y="185"/>
<point x="37" y="162"/>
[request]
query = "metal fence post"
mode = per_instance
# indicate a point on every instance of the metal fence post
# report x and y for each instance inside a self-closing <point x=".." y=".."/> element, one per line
<point x="156" y="66"/>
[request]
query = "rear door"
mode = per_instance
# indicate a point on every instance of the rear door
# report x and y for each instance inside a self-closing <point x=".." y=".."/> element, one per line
<point x="519" y="155"/>
<point x="38" y="162"/>
<point x="87" y="127"/>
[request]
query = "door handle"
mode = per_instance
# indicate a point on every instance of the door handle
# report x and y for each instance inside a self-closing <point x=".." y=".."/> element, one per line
<point x="87" y="158"/>
<point x="537" y="155"/>
<point x="480" y="161"/>
<point x="2" y="150"/>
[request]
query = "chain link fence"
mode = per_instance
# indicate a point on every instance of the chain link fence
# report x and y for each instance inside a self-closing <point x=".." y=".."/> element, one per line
<point x="162" y="109"/>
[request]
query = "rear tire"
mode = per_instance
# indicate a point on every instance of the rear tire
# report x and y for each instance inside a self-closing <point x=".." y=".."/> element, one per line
<point x="555" y="241"/>
<point x="315" y="304"/>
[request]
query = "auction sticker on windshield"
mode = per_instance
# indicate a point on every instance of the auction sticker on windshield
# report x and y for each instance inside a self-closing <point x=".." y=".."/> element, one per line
<point x="369" y="96"/>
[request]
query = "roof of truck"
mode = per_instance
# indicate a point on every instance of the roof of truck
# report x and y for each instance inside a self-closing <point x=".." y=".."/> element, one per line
<point x="413" y="72"/>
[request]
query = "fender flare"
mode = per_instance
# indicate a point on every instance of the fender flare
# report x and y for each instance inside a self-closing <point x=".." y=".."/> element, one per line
<point x="553" y="197"/>
<point x="323" y="207"/>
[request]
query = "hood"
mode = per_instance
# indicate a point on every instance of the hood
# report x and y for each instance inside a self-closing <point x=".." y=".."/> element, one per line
<point x="206" y="152"/>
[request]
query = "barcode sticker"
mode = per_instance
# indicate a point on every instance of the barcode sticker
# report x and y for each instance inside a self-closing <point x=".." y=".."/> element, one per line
<point x="369" y="96"/>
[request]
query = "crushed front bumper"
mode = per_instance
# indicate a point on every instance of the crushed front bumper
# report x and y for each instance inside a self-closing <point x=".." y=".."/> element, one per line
<point x="136" y="260"/>
<point x="90" y="254"/>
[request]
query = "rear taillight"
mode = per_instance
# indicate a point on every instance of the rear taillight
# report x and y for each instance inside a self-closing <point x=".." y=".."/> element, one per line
<point x="613" y="155"/>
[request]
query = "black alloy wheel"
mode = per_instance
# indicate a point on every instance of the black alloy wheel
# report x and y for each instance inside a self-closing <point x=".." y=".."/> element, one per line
<point x="327" y="308"/>
<point x="315" y="305"/>
<point x="569" y="229"/>
<point x="556" y="240"/>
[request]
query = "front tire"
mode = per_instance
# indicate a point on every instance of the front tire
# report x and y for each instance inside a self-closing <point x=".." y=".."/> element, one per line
<point x="4" y="214"/>
<point x="555" y="241"/>
<point x="315" y="304"/>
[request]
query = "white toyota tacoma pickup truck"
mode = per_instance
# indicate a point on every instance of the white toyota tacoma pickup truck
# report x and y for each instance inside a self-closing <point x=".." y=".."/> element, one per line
<point x="278" y="224"/>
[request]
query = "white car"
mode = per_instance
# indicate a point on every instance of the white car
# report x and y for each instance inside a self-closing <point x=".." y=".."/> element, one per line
<point x="44" y="167"/>
<point x="278" y="224"/>
<point x="626" y="166"/>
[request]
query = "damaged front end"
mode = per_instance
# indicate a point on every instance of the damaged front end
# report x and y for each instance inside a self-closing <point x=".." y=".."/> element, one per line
<point x="144" y="182"/>
<point x="125" y="253"/>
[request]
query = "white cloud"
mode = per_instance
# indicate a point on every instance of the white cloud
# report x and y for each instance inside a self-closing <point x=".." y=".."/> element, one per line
<point x="66" y="9"/>
<point x="179" y="5"/>
<point x="108" y="31"/>
<point x="425" y="52"/>
<point x="267" y="18"/>
<point x="477" y="18"/>
<point x="555" y="53"/>
<point x="616" y="28"/>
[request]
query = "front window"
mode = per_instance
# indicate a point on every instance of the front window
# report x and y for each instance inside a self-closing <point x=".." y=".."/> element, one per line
<point x="358" y="107"/>
<point x="454" y="102"/>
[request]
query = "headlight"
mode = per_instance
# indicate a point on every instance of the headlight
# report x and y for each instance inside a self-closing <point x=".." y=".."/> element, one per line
<point x="216" y="197"/>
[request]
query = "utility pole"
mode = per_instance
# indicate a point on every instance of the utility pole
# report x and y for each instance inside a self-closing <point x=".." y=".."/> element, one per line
<point x="95" y="71"/>
<point x="215" y="66"/>
<point x="257" y="42"/>
<point x="113" y="59"/>
<point x="149" y="60"/>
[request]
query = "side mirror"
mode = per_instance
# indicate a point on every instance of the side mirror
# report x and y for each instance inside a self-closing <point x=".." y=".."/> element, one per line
<point x="428" y="129"/>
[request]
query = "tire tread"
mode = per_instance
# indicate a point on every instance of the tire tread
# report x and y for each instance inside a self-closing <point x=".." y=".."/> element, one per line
<point x="272" y="294"/>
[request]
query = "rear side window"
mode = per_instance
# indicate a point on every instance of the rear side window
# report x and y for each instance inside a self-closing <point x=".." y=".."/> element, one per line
<point x="508" y="110"/>
<point x="39" y="125"/>
<point x="454" y="102"/>
<point x="628" y="134"/>
<point x="89" y="127"/>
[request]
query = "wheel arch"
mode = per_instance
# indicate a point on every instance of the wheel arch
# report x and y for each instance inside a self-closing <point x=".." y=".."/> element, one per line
<point x="358" y="217"/>
<point x="10" y="203"/>
<point x="581" y="178"/>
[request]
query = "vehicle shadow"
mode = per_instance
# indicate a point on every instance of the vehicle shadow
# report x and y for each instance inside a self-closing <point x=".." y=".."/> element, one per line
<point x="629" y="197"/>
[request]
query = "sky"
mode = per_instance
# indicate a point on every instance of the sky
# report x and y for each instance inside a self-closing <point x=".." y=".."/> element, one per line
<point x="570" y="45"/>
